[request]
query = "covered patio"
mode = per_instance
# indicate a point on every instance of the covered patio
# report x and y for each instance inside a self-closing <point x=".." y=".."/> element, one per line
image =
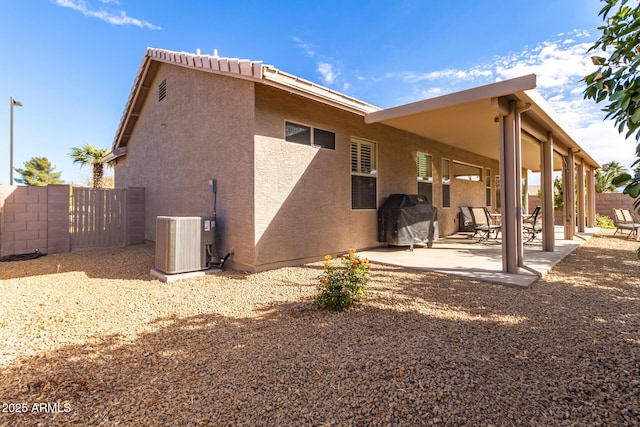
<point x="510" y="122"/>
<point x="483" y="261"/>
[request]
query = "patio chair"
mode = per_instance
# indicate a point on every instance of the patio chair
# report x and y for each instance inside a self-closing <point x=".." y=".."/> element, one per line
<point x="466" y="220"/>
<point x="532" y="226"/>
<point x="624" y="220"/>
<point x="483" y="225"/>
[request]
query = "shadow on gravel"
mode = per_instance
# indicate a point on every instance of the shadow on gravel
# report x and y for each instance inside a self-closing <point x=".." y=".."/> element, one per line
<point x="423" y="349"/>
<point x="298" y="365"/>
<point x="127" y="263"/>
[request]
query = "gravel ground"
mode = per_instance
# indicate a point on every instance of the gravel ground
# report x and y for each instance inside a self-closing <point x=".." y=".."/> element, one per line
<point x="89" y="339"/>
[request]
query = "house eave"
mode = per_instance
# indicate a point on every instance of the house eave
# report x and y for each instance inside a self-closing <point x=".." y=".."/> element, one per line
<point x="114" y="154"/>
<point x="254" y="71"/>
<point x="467" y="119"/>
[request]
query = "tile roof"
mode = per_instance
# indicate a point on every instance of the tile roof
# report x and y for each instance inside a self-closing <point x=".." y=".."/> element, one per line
<point x="240" y="68"/>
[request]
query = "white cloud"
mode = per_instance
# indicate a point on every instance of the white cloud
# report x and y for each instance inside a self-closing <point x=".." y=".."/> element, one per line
<point x="327" y="72"/>
<point x="448" y="73"/>
<point x="114" y="17"/>
<point x="559" y="66"/>
<point x="306" y="47"/>
<point x="605" y="143"/>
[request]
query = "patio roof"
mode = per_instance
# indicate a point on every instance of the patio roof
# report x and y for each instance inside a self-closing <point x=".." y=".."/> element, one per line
<point x="467" y="120"/>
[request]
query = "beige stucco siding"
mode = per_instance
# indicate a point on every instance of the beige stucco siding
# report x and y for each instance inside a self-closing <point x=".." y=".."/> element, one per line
<point x="303" y="194"/>
<point x="202" y="130"/>
<point x="278" y="203"/>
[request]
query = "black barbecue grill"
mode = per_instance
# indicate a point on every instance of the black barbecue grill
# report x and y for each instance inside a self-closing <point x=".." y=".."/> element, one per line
<point x="407" y="220"/>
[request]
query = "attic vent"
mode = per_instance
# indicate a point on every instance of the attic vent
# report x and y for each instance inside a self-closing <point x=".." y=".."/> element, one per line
<point x="162" y="90"/>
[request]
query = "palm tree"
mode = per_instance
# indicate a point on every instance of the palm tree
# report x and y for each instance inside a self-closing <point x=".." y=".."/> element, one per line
<point x="38" y="171"/>
<point x="90" y="155"/>
<point x="604" y="177"/>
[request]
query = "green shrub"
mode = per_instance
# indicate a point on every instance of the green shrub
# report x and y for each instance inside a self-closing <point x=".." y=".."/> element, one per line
<point x="341" y="287"/>
<point x="604" y="221"/>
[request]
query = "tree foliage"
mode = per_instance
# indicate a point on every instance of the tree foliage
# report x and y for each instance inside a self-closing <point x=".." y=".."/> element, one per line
<point x="38" y="171"/>
<point x="558" y="197"/>
<point x="617" y="79"/>
<point x="604" y="177"/>
<point x="90" y="155"/>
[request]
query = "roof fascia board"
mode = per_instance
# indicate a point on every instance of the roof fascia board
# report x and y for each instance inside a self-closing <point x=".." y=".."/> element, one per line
<point x="561" y="134"/>
<point x="256" y="71"/>
<point x="114" y="154"/>
<point x="276" y="78"/>
<point x="491" y="91"/>
<point x="131" y="101"/>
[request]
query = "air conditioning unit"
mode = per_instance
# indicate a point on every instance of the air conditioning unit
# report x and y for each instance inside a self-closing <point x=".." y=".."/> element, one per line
<point x="181" y="243"/>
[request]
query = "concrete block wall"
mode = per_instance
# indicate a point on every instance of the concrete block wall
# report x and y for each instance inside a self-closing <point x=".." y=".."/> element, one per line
<point x="34" y="218"/>
<point x="58" y="237"/>
<point x="605" y="202"/>
<point x="38" y="218"/>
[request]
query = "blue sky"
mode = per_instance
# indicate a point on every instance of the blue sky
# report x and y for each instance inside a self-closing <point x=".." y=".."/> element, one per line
<point x="72" y="62"/>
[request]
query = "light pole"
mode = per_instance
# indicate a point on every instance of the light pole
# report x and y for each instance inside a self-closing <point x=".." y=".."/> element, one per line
<point x="12" y="102"/>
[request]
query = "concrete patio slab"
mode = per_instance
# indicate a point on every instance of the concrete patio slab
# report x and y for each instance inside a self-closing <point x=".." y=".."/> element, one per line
<point x="483" y="261"/>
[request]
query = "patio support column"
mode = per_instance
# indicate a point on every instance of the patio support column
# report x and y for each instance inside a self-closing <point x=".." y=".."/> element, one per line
<point x="525" y="191"/>
<point x="568" y="191"/>
<point x="591" y="198"/>
<point x="511" y="192"/>
<point x="546" y="185"/>
<point x="581" y="220"/>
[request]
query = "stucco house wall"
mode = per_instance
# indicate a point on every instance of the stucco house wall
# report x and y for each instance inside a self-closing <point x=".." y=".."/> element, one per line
<point x="278" y="203"/>
<point x="202" y="130"/>
<point x="303" y="194"/>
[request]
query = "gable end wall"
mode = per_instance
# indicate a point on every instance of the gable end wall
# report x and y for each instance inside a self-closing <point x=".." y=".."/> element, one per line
<point x="202" y="130"/>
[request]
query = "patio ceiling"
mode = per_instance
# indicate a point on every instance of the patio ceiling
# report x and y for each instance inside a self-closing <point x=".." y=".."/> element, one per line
<point x="467" y="120"/>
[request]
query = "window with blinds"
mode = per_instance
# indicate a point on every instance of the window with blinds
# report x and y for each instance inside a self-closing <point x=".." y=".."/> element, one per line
<point x="363" y="159"/>
<point x="425" y="175"/>
<point x="363" y="175"/>
<point x="445" y="173"/>
<point x="424" y="167"/>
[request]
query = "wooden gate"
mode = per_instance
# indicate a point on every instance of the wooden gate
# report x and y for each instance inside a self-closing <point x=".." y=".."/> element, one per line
<point x="98" y="218"/>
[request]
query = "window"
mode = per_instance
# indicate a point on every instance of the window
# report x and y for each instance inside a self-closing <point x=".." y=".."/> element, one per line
<point x="298" y="134"/>
<point x="498" y="191"/>
<point x="324" y="139"/>
<point x="487" y="184"/>
<point x="425" y="175"/>
<point x="363" y="175"/>
<point x="306" y="135"/>
<point x="446" y="183"/>
<point x="162" y="90"/>
<point x="466" y="172"/>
